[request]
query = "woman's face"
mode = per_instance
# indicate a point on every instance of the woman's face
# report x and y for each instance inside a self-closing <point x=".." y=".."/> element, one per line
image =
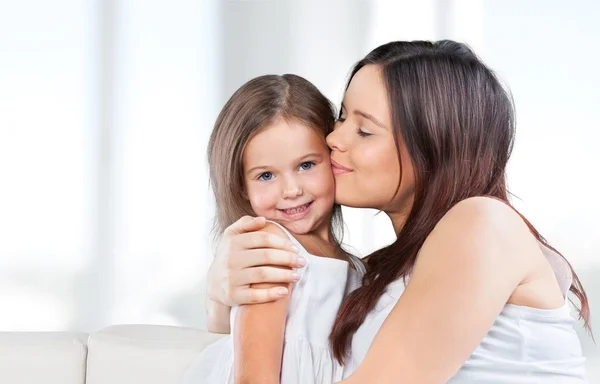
<point x="363" y="150"/>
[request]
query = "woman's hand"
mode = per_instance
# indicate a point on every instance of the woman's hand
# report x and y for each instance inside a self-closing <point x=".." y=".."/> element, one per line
<point x="245" y="257"/>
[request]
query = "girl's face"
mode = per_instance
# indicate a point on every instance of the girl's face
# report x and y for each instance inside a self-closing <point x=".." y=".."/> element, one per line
<point x="288" y="178"/>
<point x="363" y="149"/>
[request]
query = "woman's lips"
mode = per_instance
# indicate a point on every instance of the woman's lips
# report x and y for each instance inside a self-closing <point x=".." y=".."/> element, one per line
<point x="339" y="169"/>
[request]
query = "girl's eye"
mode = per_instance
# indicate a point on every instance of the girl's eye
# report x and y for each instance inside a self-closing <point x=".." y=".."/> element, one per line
<point x="363" y="133"/>
<point x="306" y="165"/>
<point x="266" y="176"/>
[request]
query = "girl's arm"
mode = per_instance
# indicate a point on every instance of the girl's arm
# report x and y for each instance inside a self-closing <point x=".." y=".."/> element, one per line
<point x="466" y="272"/>
<point x="258" y="335"/>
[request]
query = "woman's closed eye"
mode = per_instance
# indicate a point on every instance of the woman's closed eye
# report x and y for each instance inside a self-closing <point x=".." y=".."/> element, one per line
<point x="362" y="133"/>
<point x="359" y="130"/>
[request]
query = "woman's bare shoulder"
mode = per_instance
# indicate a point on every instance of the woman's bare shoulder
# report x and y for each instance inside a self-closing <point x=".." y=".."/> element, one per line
<point x="488" y="228"/>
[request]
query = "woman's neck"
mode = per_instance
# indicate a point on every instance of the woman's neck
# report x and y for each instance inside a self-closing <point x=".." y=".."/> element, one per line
<point x="398" y="220"/>
<point x="399" y="214"/>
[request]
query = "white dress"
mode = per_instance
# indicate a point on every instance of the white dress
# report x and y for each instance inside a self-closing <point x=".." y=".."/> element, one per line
<point x="524" y="346"/>
<point x="312" y="310"/>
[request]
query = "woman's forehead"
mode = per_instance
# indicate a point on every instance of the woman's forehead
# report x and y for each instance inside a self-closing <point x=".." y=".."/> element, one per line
<point x="367" y="94"/>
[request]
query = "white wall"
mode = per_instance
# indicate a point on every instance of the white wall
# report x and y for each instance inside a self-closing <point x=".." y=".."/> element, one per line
<point x="106" y="107"/>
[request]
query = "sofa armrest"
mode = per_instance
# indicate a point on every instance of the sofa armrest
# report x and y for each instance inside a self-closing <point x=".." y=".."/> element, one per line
<point x="148" y="354"/>
<point x="42" y="357"/>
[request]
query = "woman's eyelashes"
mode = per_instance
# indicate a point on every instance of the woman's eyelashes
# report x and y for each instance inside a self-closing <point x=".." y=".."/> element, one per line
<point x="362" y="133"/>
<point x="359" y="130"/>
<point x="340" y="116"/>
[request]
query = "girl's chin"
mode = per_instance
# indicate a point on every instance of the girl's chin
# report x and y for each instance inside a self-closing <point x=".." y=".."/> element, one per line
<point x="298" y="227"/>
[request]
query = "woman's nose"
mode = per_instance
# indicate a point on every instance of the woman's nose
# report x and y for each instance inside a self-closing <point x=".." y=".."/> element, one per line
<point x="335" y="140"/>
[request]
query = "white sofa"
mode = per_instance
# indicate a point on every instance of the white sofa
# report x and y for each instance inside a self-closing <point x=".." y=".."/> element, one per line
<point x="121" y="354"/>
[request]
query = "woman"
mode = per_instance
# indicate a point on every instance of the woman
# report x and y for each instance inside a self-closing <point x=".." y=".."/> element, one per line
<point x="469" y="291"/>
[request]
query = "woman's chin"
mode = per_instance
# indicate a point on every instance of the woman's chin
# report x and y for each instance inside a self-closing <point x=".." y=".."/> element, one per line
<point x="351" y="201"/>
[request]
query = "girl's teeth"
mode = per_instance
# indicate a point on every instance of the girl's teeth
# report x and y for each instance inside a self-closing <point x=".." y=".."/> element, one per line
<point x="296" y="210"/>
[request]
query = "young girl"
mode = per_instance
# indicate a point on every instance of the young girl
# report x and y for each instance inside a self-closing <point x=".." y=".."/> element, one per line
<point x="268" y="157"/>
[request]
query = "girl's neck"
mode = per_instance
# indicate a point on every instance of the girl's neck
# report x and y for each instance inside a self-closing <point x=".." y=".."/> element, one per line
<point x="321" y="242"/>
<point x="323" y="234"/>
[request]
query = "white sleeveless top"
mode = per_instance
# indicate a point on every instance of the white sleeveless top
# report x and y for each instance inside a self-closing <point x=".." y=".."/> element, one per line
<point x="312" y="310"/>
<point x="525" y="345"/>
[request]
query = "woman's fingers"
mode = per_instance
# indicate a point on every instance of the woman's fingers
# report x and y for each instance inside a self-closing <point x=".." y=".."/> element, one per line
<point x="249" y="256"/>
<point x="265" y="274"/>
<point x="265" y="256"/>
<point x="256" y="296"/>
<point x="245" y="224"/>
<point x="253" y="240"/>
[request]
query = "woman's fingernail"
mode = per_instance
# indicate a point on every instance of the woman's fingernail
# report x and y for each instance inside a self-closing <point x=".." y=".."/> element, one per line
<point x="300" y="261"/>
<point x="295" y="276"/>
<point x="281" y="291"/>
<point x="295" y="249"/>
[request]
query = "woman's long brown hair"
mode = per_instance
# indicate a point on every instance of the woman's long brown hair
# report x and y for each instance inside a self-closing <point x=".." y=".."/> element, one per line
<point x="457" y="123"/>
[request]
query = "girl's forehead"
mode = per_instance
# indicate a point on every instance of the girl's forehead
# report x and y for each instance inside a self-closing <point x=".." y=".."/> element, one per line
<point x="284" y="142"/>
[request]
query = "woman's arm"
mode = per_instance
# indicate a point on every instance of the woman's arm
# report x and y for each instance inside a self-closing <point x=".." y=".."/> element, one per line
<point x="244" y="257"/>
<point x="466" y="271"/>
<point x="258" y="336"/>
<point x="217" y="317"/>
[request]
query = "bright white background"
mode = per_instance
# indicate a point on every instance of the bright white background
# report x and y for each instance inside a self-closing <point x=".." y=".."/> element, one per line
<point x="106" y="107"/>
